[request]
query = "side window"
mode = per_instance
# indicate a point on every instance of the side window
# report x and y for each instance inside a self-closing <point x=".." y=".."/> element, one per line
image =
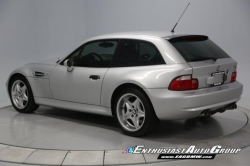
<point x="75" y="55"/>
<point x="96" y="54"/>
<point x="137" y="53"/>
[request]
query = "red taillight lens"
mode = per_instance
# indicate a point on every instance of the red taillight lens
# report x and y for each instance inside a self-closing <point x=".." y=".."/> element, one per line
<point x="184" y="83"/>
<point x="233" y="77"/>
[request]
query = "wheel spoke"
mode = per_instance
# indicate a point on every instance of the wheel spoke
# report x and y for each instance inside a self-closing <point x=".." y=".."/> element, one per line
<point x="16" y="99"/>
<point x="23" y="89"/>
<point x="20" y="102"/>
<point x="14" y="90"/>
<point x="128" y="106"/>
<point x="141" y="111"/>
<point x="140" y="115"/>
<point x="135" y="121"/>
<point x="126" y="100"/>
<point x="128" y="112"/>
<point x="14" y="93"/>
<point x="127" y="115"/>
<point x="25" y="98"/>
<point x="136" y="103"/>
<point x="18" y="87"/>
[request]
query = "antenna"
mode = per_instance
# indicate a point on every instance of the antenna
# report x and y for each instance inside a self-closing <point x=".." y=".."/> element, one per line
<point x="180" y="18"/>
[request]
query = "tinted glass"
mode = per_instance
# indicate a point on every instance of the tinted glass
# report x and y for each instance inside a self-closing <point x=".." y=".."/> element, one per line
<point x="75" y="54"/>
<point x="198" y="49"/>
<point x="95" y="54"/>
<point x="137" y="53"/>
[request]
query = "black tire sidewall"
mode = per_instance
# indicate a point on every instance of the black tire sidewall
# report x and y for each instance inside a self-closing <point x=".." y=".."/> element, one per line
<point x="31" y="106"/>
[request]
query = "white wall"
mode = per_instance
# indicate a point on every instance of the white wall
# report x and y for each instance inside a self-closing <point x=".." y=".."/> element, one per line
<point x="33" y="30"/>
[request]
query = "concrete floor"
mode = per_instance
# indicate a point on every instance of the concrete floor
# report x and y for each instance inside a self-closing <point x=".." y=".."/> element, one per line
<point x="50" y="128"/>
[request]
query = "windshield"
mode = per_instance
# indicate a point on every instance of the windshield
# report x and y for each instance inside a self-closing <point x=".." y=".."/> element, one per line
<point x="198" y="48"/>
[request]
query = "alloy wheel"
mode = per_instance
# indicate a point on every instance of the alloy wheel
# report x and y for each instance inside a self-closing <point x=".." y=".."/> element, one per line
<point x="130" y="112"/>
<point x="19" y="94"/>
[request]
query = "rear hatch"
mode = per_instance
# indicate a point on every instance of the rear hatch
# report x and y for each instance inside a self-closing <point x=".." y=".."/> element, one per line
<point x="210" y="64"/>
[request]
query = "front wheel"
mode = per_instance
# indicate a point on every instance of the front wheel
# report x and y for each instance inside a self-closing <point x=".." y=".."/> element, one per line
<point x="135" y="113"/>
<point x="21" y="95"/>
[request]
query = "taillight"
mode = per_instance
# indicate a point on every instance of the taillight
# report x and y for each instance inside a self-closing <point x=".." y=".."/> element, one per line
<point x="185" y="82"/>
<point x="234" y="75"/>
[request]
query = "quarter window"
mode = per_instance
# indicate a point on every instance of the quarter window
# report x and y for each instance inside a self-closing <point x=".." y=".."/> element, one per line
<point x="137" y="53"/>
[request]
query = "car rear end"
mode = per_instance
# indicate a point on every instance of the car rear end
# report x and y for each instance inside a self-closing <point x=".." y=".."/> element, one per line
<point x="212" y="86"/>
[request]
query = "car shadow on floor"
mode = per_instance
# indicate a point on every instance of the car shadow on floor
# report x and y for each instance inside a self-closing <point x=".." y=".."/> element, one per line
<point x="54" y="128"/>
<point x="197" y="128"/>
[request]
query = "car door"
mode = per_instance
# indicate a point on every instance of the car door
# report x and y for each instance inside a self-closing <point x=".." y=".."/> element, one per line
<point x="84" y="83"/>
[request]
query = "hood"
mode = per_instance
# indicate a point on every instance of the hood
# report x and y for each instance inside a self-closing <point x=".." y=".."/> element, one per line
<point x="51" y="61"/>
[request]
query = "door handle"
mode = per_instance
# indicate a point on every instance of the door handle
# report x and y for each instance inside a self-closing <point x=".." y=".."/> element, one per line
<point x="94" y="77"/>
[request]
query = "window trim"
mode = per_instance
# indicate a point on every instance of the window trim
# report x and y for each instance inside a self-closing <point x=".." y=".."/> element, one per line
<point x="89" y="42"/>
<point x="118" y="49"/>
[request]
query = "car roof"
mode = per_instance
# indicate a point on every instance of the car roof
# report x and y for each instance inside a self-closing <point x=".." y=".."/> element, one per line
<point x="156" y="34"/>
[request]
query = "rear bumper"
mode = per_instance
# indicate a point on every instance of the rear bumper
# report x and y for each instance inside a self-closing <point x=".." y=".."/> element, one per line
<point x="189" y="104"/>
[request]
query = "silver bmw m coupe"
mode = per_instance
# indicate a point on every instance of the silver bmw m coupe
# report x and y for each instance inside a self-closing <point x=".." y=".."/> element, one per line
<point x="137" y="77"/>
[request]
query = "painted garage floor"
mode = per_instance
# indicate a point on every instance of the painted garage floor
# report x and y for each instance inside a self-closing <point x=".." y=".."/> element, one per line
<point x="240" y="159"/>
<point x="50" y="128"/>
<point x="60" y="137"/>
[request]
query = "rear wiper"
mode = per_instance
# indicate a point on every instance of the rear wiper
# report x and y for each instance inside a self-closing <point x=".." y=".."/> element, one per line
<point x="204" y="58"/>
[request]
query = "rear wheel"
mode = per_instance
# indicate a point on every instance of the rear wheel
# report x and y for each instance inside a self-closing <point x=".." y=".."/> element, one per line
<point x="21" y="95"/>
<point x="134" y="113"/>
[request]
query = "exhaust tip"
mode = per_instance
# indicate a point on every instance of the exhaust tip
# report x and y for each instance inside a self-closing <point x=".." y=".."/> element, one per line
<point x="232" y="107"/>
<point x="205" y="113"/>
<point x="235" y="106"/>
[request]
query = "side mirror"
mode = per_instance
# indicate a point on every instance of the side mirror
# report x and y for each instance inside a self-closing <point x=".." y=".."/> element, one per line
<point x="69" y="64"/>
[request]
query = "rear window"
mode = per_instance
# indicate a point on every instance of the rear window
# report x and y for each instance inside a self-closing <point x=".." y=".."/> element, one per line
<point x="198" y="48"/>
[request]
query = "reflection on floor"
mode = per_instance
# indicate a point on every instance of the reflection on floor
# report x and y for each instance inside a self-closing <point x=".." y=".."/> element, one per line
<point x="50" y="128"/>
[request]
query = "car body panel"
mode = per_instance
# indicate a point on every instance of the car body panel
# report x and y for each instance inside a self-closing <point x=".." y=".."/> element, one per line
<point x="39" y="85"/>
<point x="202" y="70"/>
<point x="146" y="77"/>
<point x="74" y="106"/>
<point x="76" y="86"/>
<point x="189" y="104"/>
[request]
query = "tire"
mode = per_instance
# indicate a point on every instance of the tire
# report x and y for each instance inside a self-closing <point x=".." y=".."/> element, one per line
<point x="21" y="96"/>
<point x="134" y="113"/>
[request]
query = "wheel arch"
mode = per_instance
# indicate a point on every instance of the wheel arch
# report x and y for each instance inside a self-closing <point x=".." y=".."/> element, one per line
<point x="125" y="86"/>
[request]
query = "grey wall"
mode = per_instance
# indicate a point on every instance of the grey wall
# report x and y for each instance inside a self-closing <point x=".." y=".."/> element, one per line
<point x="227" y="22"/>
<point x="33" y="30"/>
